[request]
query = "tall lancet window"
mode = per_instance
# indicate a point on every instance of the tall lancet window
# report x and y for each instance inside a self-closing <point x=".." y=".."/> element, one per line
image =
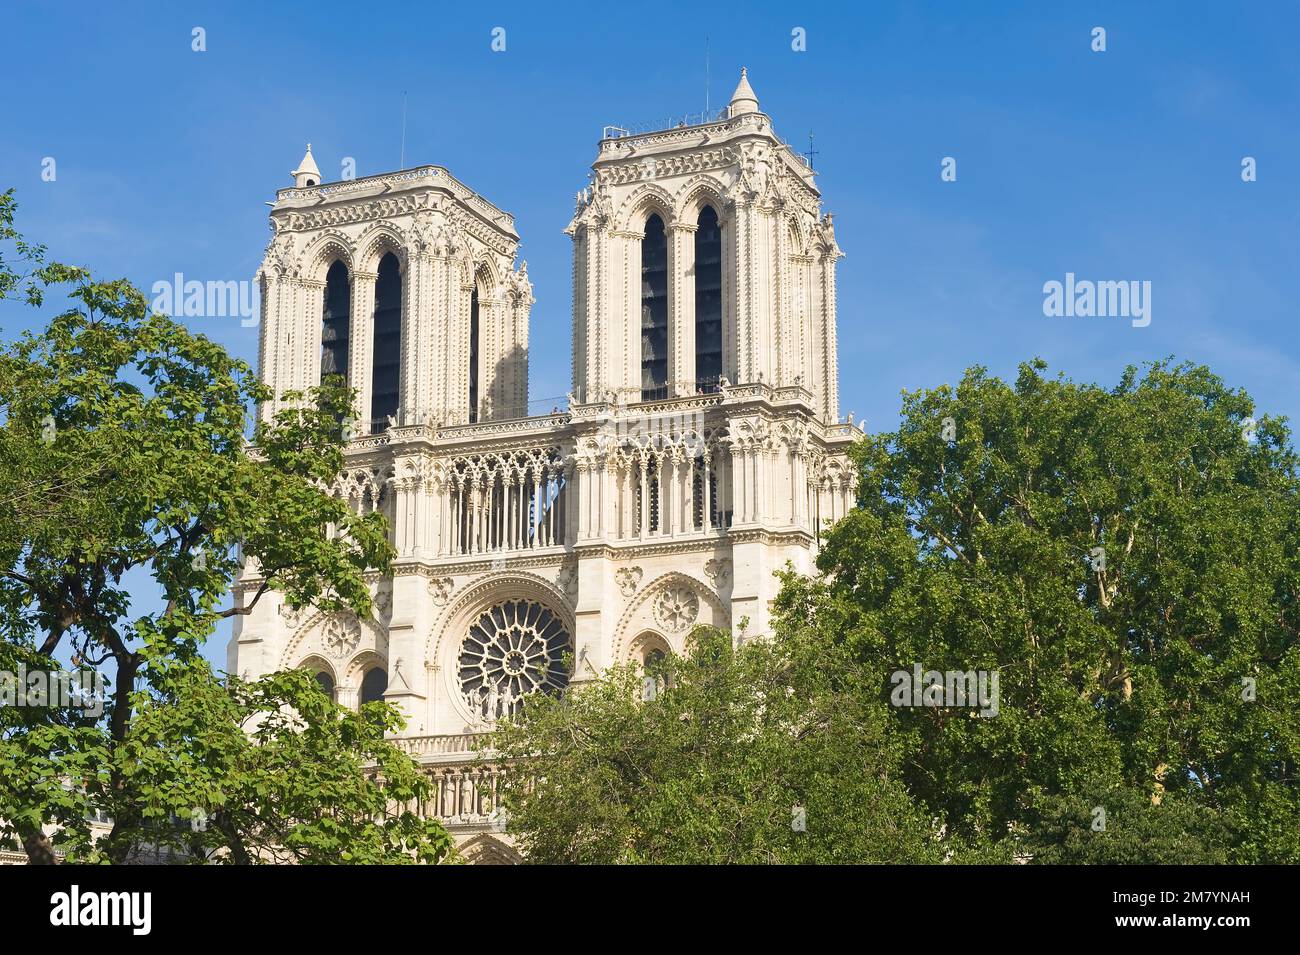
<point x="326" y="683"/>
<point x="654" y="311"/>
<point x="334" y="322"/>
<point x="473" y="355"/>
<point x="373" y="686"/>
<point x="387" y="356"/>
<point x="708" y="301"/>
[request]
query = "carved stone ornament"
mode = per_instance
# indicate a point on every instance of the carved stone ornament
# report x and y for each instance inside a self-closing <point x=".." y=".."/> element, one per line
<point x="677" y="608"/>
<point x="440" y="589"/>
<point x="382" y="601"/>
<point x="718" y="570"/>
<point x="292" y="617"/>
<point x="567" y="581"/>
<point x="340" y="636"/>
<point x="627" y="579"/>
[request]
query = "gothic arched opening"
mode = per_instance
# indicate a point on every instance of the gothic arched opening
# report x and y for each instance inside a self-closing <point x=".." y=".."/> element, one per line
<point x="373" y="685"/>
<point x="387" y="355"/>
<point x="326" y="683"/>
<point x="654" y="311"/>
<point x="335" y="322"/>
<point x="708" y="302"/>
<point x="473" y="354"/>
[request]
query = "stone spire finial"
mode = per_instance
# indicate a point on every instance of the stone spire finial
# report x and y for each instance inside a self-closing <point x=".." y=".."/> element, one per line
<point x="743" y="100"/>
<point x="306" y="174"/>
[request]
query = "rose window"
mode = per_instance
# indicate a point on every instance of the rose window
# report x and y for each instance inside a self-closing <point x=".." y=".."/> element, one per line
<point x="514" y="649"/>
<point x="677" y="607"/>
<point x="340" y="637"/>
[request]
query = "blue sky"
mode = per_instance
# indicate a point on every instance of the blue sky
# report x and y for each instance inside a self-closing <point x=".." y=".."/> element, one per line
<point x="1122" y="165"/>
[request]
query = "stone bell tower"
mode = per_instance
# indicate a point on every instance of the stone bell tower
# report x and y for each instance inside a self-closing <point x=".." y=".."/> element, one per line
<point x="639" y="292"/>
<point x="705" y="392"/>
<point x="405" y="284"/>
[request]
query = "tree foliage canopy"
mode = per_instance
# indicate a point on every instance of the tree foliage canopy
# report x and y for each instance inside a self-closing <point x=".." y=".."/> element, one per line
<point x="123" y="459"/>
<point x="760" y="753"/>
<point x="1126" y="560"/>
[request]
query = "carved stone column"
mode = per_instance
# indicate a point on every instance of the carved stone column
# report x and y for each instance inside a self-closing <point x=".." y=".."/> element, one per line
<point x="583" y="500"/>
<point x="593" y="324"/>
<point x="829" y="398"/>
<point x="741" y="265"/>
<point x="272" y="352"/>
<point x="417" y="332"/>
<point x="361" y="343"/>
<point x="681" y="313"/>
<point x="440" y="282"/>
<point x="313" y="309"/>
<point x="458" y="345"/>
<point x="492" y="377"/>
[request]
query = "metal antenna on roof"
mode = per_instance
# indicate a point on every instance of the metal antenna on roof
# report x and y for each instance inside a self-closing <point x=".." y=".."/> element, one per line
<point x="706" y="78"/>
<point x="401" y="160"/>
<point x="811" y="152"/>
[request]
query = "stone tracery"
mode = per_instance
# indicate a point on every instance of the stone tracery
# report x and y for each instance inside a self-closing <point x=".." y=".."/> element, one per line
<point x="340" y="636"/>
<point x="515" y="648"/>
<point x="677" y="607"/>
<point x="506" y="500"/>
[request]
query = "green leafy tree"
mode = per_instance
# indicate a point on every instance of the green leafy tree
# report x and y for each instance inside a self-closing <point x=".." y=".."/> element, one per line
<point x="1128" y="561"/>
<point x="273" y="771"/>
<point x="766" y="752"/>
<point x="122" y="457"/>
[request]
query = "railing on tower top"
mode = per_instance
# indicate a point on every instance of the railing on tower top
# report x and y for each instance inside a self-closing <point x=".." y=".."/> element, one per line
<point x="672" y="122"/>
<point x="709" y="386"/>
<point x="687" y="120"/>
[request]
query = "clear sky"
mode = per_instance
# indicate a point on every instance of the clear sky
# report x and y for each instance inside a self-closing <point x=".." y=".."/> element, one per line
<point x="1116" y="165"/>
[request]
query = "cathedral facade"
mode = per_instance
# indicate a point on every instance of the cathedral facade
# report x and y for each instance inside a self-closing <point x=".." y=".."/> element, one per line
<point x="699" y="453"/>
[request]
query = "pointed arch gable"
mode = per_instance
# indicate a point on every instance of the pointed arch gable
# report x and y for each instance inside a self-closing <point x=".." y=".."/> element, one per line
<point x="647" y="199"/>
<point x="645" y="642"/>
<point x="362" y="663"/>
<point x="305" y="641"/>
<point x="317" y="663"/>
<point x="698" y="192"/>
<point x="375" y="242"/>
<point x="465" y="270"/>
<point x="486" y="276"/>
<point x="800" y="235"/>
<point x="487" y="850"/>
<point x="323" y="251"/>
<point x="638" y="617"/>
